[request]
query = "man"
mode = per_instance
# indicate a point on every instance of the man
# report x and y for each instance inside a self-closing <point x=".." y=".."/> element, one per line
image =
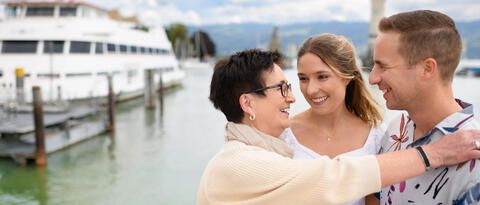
<point x="416" y="54"/>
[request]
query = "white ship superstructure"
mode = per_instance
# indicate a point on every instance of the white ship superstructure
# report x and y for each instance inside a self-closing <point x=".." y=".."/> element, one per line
<point x="70" y="46"/>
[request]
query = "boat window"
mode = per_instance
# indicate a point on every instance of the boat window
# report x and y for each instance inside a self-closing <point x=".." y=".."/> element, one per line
<point x="1" y="73"/>
<point x="86" y="12"/>
<point x="150" y="50"/>
<point x="142" y="49"/>
<point x="166" y="69"/>
<point x="48" y="75"/>
<point x="79" y="47"/>
<point x="98" y="48"/>
<point x="53" y="46"/>
<point x="39" y="11"/>
<point x="68" y="11"/>
<point x="123" y="48"/>
<point x="133" y="49"/>
<point x="12" y="11"/>
<point x="70" y="75"/>
<point x="19" y="46"/>
<point x="132" y="73"/>
<point x="111" y="48"/>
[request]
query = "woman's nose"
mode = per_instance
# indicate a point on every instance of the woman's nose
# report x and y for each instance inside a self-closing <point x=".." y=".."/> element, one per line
<point x="312" y="87"/>
<point x="290" y="98"/>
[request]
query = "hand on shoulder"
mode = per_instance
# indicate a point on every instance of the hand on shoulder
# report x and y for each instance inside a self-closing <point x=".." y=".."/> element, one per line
<point x="454" y="148"/>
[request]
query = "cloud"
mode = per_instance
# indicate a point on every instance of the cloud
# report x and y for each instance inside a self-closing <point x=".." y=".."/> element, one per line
<point x="285" y="12"/>
<point x="204" y="12"/>
<point x="465" y="10"/>
<point x="168" y="14"/>
<point x="152" y="12"/>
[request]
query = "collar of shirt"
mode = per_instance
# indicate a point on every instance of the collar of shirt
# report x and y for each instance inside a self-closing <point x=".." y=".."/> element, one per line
<point x="448" y="125"/>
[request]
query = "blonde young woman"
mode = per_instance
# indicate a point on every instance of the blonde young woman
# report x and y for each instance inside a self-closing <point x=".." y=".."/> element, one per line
<point x="343" y="119"/>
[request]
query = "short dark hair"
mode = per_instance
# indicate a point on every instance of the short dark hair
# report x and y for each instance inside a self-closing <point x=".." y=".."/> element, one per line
<point x="427" y="34"/>
<point x="237" y="74"/>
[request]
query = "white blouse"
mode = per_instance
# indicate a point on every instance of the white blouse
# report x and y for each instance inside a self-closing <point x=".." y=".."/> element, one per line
<point x="371" y="146"/>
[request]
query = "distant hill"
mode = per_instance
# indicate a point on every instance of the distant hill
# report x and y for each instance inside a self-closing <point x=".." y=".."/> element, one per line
<point x="235" y="37"/>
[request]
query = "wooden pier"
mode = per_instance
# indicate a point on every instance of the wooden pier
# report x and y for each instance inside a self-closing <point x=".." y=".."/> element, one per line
<point x="61" y="130"/>
<point x="30" y="132"/>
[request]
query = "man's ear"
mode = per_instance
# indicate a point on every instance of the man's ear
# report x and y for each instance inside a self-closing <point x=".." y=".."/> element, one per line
<point x="430" y="68"/>
<point x="245" y="101"/>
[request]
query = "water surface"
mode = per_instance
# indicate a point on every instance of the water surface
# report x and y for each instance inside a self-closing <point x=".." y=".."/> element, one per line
<point x="156" y="156"/>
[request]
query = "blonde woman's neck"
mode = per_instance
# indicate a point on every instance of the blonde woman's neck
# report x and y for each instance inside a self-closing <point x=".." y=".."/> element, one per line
<point x="331" y="119"/>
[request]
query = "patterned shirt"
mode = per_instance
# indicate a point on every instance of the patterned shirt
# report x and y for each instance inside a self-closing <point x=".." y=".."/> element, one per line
<point x="458" y="184"/>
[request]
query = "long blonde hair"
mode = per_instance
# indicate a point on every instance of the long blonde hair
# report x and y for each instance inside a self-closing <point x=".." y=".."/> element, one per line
<point x="338" y="53"/>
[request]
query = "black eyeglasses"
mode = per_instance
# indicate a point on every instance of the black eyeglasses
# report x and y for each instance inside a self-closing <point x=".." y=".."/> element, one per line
<point x="284" y="88"/>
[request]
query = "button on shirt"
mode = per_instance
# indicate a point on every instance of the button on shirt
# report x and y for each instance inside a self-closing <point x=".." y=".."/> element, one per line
<point x="458" y="184"/>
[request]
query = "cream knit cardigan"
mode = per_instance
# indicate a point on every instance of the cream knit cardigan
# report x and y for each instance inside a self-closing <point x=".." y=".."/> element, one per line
<point x="255" y="168"/>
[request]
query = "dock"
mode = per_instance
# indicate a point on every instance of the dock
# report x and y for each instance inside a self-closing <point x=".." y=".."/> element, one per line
<point x="62" y="129"/>
<point x="29" y="132"/>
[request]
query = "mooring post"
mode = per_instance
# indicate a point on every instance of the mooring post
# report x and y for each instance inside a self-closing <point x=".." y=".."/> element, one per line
<point x="40" y="154"/>
<point x="161" y="87"/>
<point x="149" y="90"/>
<point x="59" y="93"/>
<point x="111" y="105"/>
<point x="19" y="85"/>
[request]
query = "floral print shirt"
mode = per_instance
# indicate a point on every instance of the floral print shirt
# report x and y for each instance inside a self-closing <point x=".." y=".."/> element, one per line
<point x="458" y="184"/>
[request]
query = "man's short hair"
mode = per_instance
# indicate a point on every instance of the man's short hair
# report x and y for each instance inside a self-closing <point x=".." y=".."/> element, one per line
<point x="427" y="34"/>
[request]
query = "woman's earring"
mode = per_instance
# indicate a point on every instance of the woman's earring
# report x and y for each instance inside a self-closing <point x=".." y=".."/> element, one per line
<point x="252" y="117"/>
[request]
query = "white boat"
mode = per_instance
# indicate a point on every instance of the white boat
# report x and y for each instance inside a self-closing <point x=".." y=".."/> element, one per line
<point x="469" y="67"/>
<point x="68" y="47"/>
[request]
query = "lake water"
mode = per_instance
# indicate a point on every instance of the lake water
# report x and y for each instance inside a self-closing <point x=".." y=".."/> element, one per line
<point x="156" y="156"/>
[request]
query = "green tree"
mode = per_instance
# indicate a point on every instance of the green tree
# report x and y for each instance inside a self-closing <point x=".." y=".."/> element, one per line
<point x="176" y="33"/>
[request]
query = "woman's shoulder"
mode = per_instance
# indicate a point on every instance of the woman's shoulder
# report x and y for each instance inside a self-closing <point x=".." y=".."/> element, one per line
<point x="300" y="123"/>
<point x="240" y="154"/>
<point x="298" y="119"/>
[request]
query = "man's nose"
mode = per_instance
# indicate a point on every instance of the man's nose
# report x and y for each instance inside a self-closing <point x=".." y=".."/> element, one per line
<point x="374" y="77"/>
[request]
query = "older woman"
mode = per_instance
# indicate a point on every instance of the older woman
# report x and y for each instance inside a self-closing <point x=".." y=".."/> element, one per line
<point x="255" y="166"/>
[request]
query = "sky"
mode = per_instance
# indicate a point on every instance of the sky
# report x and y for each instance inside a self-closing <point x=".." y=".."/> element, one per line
<point x="279" y="12"/>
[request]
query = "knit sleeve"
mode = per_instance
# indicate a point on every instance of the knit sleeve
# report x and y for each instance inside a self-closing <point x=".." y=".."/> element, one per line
<point x="250" y="175"/>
